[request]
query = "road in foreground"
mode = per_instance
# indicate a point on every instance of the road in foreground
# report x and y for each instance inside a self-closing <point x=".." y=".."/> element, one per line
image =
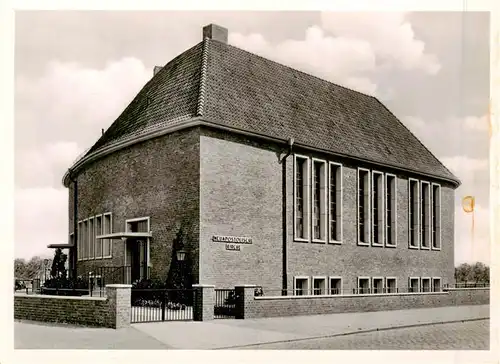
<point x="469" y="335"/>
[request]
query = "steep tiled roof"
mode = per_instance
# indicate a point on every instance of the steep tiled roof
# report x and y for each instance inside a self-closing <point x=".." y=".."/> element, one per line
<point x="241" y="90"/>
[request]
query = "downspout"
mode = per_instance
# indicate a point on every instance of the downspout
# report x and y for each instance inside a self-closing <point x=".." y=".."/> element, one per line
<point x="73" y="255"/>
<point x="284" y="220"/>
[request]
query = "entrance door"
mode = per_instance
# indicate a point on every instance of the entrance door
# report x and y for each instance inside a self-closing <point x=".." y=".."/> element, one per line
<point x="135" y="260"/>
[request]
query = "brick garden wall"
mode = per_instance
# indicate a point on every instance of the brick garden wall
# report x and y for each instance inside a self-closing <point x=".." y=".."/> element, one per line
<point x="310" y="305"/>
<point x="112" y="311"/>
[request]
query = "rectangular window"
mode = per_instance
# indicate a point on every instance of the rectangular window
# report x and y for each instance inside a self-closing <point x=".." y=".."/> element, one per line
<point x="377" y="209"/>
<point x="436" y="284"/>
<point x="98" y="231"/>
<point x="363" y="199"/>
<point x="413" y="215"/>
<point x="319" y="286"/>
<point x="85" y="240"/>
<point x="413" y="284"/>
<point x="378" y="285"/>
<point x="107" y="229"/>
<point x="391" y="285"/>
<point x="425" y="284"/>
<point x="335" y="203"/>
<point x="335" y="285"/>
<point x="79" y="241"/>
<point x="425" y="215"/>
<point x="363" y="285"/>
<point x="301" y="194"/>
<point x="91" y="238"/>
<point x="319" y="200"/>
<point x="391" y="211"/>
<point x="301" y="286"/>
<point x="436" y="217"/>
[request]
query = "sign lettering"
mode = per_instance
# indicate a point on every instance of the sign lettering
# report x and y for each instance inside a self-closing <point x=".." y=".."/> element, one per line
<point x="234" y="247"/>
<point x="232" y="239"/>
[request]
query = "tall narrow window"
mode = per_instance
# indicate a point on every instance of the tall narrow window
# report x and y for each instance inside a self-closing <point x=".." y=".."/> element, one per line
<point x="301" y="187"/>
<point x="363" y="207"/>
<point x="319" y="286"/>
<point x="436" y="217"/>
<point x="79" y="241"/>
<point x="85" y="241"/>
<point x="436" y="284"/>
<point x="391" y="285"/>
<point x="335" y="285"/>
<point x="98" y="231"/>
<point x="425" y="215"/>
<point x="319" y="200"/>
<point x="301" y="286"/>
<point x="377" y="285"/>
<point x="335" y="202"/>
<point x="91" y="238"/>
<point x="413" y="215"/>
<point x="107" y="227"/>
<point x="377" y="209"/>
<point x="390" y="211"/>
<point x="414" y="284"/>
<point x="364" y="285"/>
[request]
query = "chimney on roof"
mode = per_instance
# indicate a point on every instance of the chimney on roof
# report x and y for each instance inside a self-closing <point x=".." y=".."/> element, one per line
<point x="156" y="70"/>
<point x="215" y="32"/>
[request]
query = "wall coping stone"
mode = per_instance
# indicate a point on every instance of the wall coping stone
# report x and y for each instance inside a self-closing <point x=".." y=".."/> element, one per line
<point x="246" y="285"/>
<point x="61" y="297"/>
<point x="118" y="286"/>
<point x="468" y="289"/>
<point x="349" y="295"/>
<point x="203" y="286"/>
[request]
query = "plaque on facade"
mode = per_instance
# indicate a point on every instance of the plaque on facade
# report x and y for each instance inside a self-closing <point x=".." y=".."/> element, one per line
<point x="232" y="239"/>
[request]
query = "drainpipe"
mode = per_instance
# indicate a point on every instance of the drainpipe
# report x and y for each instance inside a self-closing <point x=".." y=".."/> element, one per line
<point x="284" y="220"/>
<point x="73" y="254"/>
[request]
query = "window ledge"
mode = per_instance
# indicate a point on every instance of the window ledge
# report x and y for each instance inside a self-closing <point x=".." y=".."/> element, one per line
<point x="363" y="244"/>
<point x="436" y="249"/>
<point x="379" y="245"/>
<point x="317" y="241"/>
<point x="391" y="245"/>
<point x="335" y="242"/>
<point x="425" y="248"/>
<point x="413" y="247"/>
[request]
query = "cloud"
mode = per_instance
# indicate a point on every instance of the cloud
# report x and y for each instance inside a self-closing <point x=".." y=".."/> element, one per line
<point x="477" y="123"/>
<point x="464" y="165"/>
<point x="45" y="166"/>
<point x="69" y="98"/>
<point x="41" y="218"/>
<point x="390" y="35"/>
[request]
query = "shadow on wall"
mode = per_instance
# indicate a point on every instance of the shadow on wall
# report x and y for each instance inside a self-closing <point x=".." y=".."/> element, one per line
<point x="179" y="275"/>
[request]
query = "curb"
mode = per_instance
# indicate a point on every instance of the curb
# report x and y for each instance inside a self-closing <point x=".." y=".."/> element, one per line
<point x="353" y="333"/>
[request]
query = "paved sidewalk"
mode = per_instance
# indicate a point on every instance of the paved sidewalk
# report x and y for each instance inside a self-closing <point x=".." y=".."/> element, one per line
<point x="231" y="333"/>
<point x="221" y="334"/>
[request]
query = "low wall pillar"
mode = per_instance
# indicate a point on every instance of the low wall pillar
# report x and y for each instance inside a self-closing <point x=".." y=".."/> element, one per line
<point x="204" y="302"/>
<point x="244" y="297"/>
<point x="119" y="298"/>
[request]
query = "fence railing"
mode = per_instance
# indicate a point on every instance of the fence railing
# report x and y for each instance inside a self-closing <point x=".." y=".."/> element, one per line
<point x="149" y="305"/>
<point x="225" y="303"/>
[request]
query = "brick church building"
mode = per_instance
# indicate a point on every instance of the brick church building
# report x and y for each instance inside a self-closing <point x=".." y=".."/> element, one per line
<point x="275" y="178"/>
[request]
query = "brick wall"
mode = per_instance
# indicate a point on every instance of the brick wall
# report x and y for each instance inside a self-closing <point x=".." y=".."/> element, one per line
<point x="240" y="195"/>
<point x="158" y="178"/>
<point x="293" y="306"/>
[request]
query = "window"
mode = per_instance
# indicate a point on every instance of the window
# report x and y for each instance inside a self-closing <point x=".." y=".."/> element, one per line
<point x="413" y="216"/>
<point x="436" y="217"/>
<point x="413" y="284"/>
<point x="98" y="231"/>
<point x="363" y="197"/>
<point x="85" y="242"/>
<point x="107" y="229"/>
<point x="79" y="243"/>
<point x="301" y="286"/>
<point x="335" y="285"/>
<point x="436" y="284"/>
<point x="391" y="285"/>
<point x="378" y="285"/>
<point x="377" y="208"/>
<point x="319" y="200"/>
<point x="363" y="285"/>
<point x="301" y="193"/>
<point x="426" y="284"/>
<point x="91" y="238"/>
<point x="319" y="286"/>
<point x="425" y="215"/>
<point x="335" y="202"/>
<point x="390" y="210"/>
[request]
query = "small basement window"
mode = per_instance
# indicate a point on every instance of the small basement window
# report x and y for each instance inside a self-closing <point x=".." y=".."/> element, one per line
<point x="301" y="286"/>
<point x="413" y="284"/>
<point x="426" y="284"/>
<point x="378" y="285"/>
<point x="335" y="285"/>
<point x="363" y="285"/>
<point x="391" y="285"/>
<point x="319" y="286"/>
<point x="436" y="284"/>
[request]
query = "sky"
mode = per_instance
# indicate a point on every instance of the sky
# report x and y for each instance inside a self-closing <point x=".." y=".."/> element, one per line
<point x="76" y="71"/>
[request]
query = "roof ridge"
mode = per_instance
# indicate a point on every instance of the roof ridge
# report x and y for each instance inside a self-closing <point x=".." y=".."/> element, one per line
<point x="419" y="141"/>
<point x="203" y="78"/>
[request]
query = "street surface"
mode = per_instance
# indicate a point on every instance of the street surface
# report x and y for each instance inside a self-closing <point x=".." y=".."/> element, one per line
<point x="471" y="335"/>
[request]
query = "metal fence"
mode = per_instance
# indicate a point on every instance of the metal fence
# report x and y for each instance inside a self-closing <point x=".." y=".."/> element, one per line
<point x="225" y="303"/>
<point x="153" y="305"/>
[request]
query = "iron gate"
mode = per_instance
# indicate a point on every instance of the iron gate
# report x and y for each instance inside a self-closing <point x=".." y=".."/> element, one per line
<point x="153" y="305"/>
<point x="225" y="303"/>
